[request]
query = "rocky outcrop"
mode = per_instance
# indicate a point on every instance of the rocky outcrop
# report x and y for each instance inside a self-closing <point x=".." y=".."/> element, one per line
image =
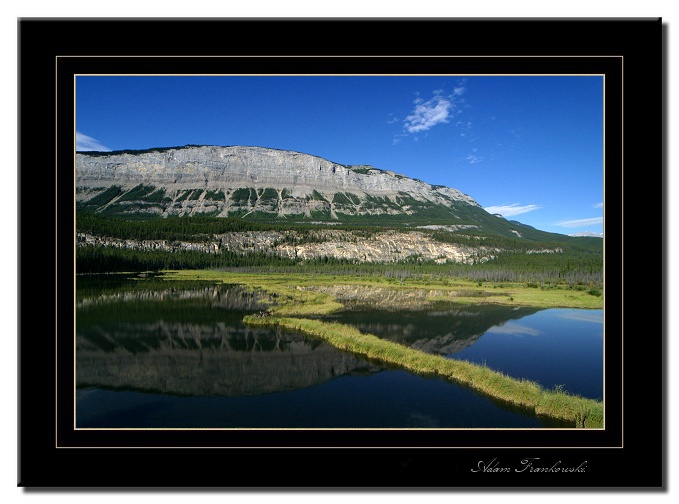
<point x="387" y="246"/>
<point x="238" y="181"/>
<point x="279" y="190"/>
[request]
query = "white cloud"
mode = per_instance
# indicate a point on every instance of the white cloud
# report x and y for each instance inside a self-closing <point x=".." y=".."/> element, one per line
<point x="598" y="205"/>
<point x="594" y="221"/>
<point x="438" y="109"/>
<point x="428" y="114"/>
<point x="510" y="210"/>
<point x="87" y="143"/>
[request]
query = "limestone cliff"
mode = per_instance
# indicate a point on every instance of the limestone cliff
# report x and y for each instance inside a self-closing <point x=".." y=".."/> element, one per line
<point x="238" y="181"/>
<point x="387" y="246"/>
<point x="276" y="187"/>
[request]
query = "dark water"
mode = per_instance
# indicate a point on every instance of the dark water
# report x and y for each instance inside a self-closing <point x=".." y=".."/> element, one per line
<point x="555" y="347"/>
<point x="383" y="399"/>
<point x="150" y="354"/>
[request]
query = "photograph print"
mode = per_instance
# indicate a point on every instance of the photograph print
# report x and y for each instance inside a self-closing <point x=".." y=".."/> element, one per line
<point x="380" y="259"/>
<point x="339" y="251"/>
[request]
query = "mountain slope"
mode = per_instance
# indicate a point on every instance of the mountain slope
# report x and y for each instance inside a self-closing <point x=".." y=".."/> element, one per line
<point x="202" y="206"/>
<point x="269" y="185"/>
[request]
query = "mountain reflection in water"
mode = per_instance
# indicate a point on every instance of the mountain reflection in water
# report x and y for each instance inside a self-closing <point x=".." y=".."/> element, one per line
<point x="556" y="347"/>
<point x="177" y="354"/>
<point x="435" y="329"/>
<point x="193" y="342"/>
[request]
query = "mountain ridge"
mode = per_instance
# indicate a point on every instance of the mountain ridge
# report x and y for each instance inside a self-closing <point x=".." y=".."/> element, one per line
<point x="274" y="186"/>
<point x="236" y="180"/>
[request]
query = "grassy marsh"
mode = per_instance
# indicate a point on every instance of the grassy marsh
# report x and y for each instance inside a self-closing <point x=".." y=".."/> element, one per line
<point x="293" y="299"/>
<point x="289" y="286"/>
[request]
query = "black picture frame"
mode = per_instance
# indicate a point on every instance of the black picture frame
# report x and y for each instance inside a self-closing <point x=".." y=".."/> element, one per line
<point x="627" y="453"/>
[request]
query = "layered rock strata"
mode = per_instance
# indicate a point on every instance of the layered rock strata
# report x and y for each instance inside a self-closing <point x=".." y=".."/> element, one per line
<point x="240" y="180"/>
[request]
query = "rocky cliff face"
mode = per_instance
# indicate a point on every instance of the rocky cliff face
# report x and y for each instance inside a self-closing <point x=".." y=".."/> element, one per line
<point x="240" y="181"/>
<point x="275" y="186"/>
<point x="388" y="246"/>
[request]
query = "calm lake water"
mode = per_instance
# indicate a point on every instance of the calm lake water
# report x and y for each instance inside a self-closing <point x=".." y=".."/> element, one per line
<point x="555" y="347"/>
<point x="169" y="355"/>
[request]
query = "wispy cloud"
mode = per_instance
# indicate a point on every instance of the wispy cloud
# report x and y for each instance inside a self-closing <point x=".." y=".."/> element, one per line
<point x="427" y="113"/>
<point x="512" y="209"/>
<point x="473" y="158"/>
<point x="594" y="221"/>
<point x="599" y="205"/>
<point x="87" y="143"/>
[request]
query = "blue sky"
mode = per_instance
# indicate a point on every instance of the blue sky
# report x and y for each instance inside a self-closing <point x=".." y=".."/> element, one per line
<point x="528" y="147"/>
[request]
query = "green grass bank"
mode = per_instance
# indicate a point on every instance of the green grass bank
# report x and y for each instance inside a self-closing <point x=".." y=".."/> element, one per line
<point x="579" y="411"/>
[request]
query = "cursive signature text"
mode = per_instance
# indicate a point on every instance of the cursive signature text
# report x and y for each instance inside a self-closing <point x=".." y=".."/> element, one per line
<point x="528" y="465"/>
